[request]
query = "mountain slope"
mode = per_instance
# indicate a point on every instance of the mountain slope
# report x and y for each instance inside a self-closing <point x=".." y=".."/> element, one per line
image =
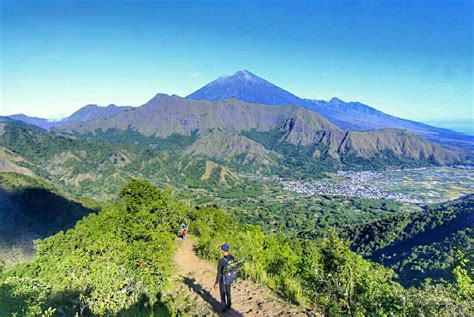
<point x="225" y="145"/>
<point x="356" y="147"/>
<point x="347" y="115"/>
<point x="420" y="244"/>
<point x="96" y="168"/>
<point x="358" y="116"/>
<point x="170" y="139"/>
<point x="164" y="116"/>
<point x="245" y="86"/>
<point x="400" y="142"/>
<point x="10" y="162"/>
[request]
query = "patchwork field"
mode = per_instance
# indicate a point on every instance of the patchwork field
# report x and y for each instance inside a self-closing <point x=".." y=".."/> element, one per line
<point x="428" y="185"/>
<point x="420" y="185"/>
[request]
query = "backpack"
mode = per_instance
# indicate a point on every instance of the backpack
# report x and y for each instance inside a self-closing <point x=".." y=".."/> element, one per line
<point x="229" y="271"/>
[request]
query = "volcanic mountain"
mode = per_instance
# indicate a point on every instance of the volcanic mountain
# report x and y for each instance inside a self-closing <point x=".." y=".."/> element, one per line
<point x="249" y="87"/>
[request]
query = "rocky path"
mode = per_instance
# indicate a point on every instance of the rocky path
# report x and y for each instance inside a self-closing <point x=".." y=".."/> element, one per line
<point x="248" y="299"/>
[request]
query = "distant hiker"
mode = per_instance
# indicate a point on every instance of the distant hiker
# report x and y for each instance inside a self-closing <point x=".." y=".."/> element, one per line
<point x="225" y="277"/>
<point x="183" y="232"/>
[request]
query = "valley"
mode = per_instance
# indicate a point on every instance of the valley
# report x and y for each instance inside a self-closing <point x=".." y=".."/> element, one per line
<point x="418" y="186"/>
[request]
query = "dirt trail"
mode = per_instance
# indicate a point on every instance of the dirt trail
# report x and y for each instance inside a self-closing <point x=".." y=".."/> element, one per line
<point x="248" y="299"/>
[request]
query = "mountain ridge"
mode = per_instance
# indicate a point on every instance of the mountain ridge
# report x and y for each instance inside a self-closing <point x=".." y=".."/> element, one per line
<point x="94" y="112"/>
<point x="165" y="115"/>
<point x="83" y="114"/>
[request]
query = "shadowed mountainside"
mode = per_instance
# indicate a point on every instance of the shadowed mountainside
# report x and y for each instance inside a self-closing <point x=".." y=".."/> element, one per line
<point x="32" y="209"/>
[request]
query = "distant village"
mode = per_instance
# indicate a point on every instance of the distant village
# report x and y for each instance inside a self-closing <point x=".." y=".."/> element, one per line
<point x="355" y="184"/>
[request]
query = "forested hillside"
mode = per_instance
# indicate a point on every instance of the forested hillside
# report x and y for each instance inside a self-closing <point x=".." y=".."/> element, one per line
<point x="97" y="168"/>
<point x="119" y="261"/>
<point x="418" y="242"/>
<point x="422" y="244"/>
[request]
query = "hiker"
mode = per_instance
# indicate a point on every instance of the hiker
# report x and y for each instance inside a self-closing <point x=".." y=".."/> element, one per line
<point x="183" y="232"/>
<point x="225" y="277"/>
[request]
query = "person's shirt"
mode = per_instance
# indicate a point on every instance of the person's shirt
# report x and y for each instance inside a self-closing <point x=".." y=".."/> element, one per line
<point x="220" y="266"/>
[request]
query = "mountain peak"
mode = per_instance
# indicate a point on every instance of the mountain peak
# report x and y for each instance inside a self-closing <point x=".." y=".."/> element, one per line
<point x="245" y="74"/>
<point x="246" y="86"/>
<point x="240" y="76"/>
<point x="89" y="106"/>
<point x="94" y="112"/>
<point x="336" y="100"/>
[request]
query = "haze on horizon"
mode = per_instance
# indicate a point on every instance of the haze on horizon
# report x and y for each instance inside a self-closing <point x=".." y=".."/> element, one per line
<point x="407" y="59"/>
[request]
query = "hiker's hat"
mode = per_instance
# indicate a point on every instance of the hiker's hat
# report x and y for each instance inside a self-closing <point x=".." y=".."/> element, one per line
<point x="183" y="225"/>
<point x="225" y="247"/>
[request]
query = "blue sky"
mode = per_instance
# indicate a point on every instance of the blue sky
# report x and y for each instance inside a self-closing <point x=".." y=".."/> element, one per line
<point x="412" y="59"/>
